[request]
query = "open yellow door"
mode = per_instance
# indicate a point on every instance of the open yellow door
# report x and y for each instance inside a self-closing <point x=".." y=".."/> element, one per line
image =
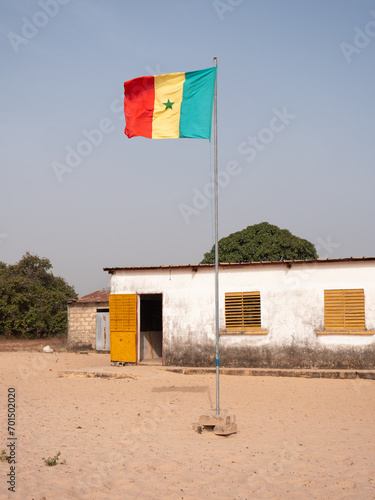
<point x="123" y="327"/>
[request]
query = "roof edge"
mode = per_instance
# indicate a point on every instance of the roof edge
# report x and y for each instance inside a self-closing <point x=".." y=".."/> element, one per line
<point x="224" y="265"/>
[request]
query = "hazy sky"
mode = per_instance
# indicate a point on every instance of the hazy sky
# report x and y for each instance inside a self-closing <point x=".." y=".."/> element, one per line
<point x="296" y="127"/>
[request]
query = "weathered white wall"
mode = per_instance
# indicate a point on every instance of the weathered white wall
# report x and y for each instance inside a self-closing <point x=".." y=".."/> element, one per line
<point x="292" y="310"/>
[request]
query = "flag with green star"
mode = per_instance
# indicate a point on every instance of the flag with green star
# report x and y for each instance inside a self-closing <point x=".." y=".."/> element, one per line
<point x="175" y="105"/>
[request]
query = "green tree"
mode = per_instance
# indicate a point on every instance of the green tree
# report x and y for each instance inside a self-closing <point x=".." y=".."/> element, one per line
<point x="33" y="302"/>
<point x="260" y="243"/>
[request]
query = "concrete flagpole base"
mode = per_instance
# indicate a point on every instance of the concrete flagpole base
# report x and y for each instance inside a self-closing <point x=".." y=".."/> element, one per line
<point x="221" y="425"/>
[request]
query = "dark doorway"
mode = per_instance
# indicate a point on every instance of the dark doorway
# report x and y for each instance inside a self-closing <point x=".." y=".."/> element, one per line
<point x="151" y="328"/>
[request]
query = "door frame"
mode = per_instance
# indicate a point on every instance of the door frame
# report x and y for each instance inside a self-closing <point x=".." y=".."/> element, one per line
<point x="139" y="300"/>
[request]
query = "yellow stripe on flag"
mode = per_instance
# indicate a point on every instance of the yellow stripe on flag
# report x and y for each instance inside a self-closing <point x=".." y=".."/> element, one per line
<point x="166" y="120"/>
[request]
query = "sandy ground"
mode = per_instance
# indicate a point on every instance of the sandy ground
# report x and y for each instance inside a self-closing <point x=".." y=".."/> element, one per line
<point x="131" y="438"/>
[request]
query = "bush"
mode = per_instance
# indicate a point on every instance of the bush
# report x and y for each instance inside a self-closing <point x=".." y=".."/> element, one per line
<point x="33" y="302"/>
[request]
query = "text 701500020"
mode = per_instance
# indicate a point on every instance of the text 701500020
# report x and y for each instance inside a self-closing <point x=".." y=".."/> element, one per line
<point x="12" y="439"/>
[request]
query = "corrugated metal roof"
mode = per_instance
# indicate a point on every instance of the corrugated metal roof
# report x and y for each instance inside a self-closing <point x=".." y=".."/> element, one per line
<point x="99" y="296"/>
<point x="236" y="264"/>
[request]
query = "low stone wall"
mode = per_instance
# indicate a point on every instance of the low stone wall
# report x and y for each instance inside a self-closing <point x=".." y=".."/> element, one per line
<point x="82" y="324"/>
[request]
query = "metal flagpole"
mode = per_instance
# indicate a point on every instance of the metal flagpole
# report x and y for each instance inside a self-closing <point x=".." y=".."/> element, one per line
<point x="216" y="193"/>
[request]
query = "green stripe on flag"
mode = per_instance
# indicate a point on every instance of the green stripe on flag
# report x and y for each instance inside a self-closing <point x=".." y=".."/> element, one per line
<point x="197" y="103"/>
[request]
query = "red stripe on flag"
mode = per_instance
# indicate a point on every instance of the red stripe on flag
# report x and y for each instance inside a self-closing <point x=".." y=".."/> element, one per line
<point x="139" y="106"/>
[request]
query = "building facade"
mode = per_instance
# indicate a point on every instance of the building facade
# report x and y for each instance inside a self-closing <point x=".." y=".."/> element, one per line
<point x="295" y="314"/>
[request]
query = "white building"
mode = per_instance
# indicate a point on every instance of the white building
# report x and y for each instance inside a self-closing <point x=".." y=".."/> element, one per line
<point x="308" y="314"/>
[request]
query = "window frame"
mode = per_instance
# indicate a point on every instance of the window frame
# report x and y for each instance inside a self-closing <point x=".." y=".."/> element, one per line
<point x="242" y="313"/>
<point x="344" y="312"/>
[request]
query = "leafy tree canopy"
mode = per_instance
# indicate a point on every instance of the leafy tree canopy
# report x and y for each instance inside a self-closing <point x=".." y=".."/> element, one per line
<point x="260" y="243"/>
<point x="33" y="302"/>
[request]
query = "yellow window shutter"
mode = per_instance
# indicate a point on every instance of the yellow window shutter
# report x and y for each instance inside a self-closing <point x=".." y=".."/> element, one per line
<point x="242" y="311"/>
<point x="123" y="327"/>
<point x="354" y="301"/>
<point x="334" y="309"/>
<point x="344" y="309"/>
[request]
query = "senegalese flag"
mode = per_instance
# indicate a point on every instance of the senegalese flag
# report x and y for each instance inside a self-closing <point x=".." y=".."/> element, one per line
<point x="170" y="106"/>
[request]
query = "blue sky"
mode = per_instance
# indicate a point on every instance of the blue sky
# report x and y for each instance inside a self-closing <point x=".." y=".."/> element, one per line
<point x="122" y="202"/>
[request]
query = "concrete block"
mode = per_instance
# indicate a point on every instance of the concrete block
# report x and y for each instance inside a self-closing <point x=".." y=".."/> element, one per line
<point x="225" y="430"/>
<point x="213" y="420"/>
<point x="210" y="420"/>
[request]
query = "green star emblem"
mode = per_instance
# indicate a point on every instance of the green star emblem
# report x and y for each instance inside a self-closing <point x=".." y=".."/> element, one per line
<point x="168" y="105"/>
